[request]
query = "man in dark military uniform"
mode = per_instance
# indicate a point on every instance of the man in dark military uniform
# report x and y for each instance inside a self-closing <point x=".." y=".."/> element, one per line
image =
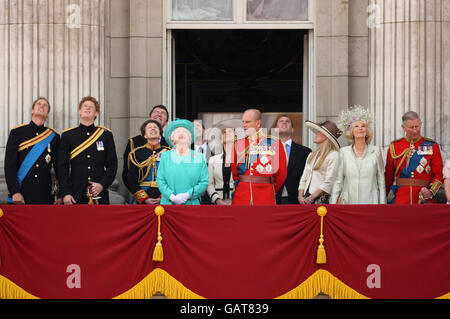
<point x="30" y="154"/>
<point x="159" y="114"/>
<point x="87" y="159"/>
<point x="143" y="165"/>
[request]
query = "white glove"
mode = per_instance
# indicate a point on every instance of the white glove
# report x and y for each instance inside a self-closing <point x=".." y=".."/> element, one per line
<point x="184" y="197"/>
<point x="175" y="199"/>
<point x="178" y="199"/>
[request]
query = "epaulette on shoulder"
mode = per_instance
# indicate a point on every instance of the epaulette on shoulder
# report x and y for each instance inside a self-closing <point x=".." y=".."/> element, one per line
<point x="133" y="137"/>
<point x="397" y="140"/>
<point x="19" y="126"/>
<point x="166" y="147"/>
<point x="69" y="129"/>
<point x="51" y="128"/>
<point x="105" y="128"/>
<point x="429" y="140"/>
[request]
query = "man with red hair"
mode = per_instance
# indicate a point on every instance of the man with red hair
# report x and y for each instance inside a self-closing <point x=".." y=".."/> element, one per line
<point x="87" y="158"/>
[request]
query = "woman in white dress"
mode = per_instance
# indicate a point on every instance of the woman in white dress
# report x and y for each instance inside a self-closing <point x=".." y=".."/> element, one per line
<point x="360" y="177"/>
<point x="321" y="166"/>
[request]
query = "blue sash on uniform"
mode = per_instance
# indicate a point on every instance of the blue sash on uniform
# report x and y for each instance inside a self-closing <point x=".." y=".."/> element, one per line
<point x="414" y="162"/>
<point x="31" y="158"/>
<point x="252" y="158"/>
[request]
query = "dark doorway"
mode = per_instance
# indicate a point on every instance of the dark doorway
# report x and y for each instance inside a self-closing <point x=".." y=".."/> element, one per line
<point x="230" y="70"/>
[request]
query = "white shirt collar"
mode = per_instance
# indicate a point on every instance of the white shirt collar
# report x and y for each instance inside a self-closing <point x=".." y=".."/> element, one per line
<point x="203" y="146"/>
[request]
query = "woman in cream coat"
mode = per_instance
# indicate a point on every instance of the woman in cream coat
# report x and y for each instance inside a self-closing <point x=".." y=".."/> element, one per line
<point x="321" y="165"/>
<point x="360" y="177"/>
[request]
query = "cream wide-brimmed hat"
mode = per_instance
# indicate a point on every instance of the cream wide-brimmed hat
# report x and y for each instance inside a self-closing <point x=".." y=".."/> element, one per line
<point x="328" y="128"/>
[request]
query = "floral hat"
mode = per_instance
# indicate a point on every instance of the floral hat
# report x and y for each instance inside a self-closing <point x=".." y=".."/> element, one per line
<point x="354" y="114"/>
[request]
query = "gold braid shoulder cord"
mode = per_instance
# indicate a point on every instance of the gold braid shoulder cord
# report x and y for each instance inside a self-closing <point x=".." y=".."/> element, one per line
<point x="405" y="154"/>
<point x="144" y="167"/>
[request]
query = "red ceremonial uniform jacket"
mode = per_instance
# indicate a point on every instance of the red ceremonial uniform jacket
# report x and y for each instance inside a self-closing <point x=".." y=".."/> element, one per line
<point x="264" y="156"/>
<point x="413" y="160"/>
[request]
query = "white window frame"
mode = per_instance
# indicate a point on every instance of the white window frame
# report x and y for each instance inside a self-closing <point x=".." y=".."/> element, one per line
<point x="240" y="22"/>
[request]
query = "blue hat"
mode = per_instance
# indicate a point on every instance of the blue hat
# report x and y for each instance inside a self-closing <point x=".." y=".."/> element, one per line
<point x="176" y="124"/>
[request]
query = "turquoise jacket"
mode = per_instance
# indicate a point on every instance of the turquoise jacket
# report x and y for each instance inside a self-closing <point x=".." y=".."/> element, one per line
<point x="182" y="174"/>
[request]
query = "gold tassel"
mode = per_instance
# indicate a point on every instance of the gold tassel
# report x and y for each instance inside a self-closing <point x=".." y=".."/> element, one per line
<point x="321" y="254"/>
<point x="158" y="253"/>
<point x="89" y="195"/>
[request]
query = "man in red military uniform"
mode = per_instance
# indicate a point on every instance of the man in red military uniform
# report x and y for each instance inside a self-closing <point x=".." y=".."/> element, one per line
<point x="259" y="164"/>
<point x="413" y="166"/>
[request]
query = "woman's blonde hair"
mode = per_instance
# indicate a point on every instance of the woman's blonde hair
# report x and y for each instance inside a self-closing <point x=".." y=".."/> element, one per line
<point x="327" y="149"/>
<point x="351" y="138"/>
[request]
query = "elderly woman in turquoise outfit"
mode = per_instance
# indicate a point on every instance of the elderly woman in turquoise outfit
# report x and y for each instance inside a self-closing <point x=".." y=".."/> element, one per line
<point x="183" y="173"/>
<point x="360" y="176"/>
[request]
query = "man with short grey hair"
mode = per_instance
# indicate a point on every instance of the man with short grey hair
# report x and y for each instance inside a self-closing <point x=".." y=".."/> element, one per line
<point x="413" y="166"/>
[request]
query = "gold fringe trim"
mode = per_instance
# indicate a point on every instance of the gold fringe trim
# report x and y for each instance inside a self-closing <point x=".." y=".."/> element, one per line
<point x="308" y="289"/>
<point x="9" y="290"/>
<point x="446" y="296"/>
<point x="322" y="281"/>
<point x="159" y="281"/>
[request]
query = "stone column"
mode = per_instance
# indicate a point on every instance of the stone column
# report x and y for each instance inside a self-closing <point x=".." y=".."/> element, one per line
<point x="342" y="43"/>
<point x="54" y="49"/>
<point x="135" y="81"/>
<point x="410" y="67"/>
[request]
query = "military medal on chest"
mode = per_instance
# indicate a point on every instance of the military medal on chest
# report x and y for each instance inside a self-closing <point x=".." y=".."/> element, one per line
<point x="264" y="165"/>
<point x="48" y="158"/>
<point x="425" y="150"/>
<point x="423" y="166"/>
<point x="100" y="146"/>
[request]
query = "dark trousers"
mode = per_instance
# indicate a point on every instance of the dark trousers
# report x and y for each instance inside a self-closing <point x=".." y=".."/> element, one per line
<point x="286" y="201"/>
